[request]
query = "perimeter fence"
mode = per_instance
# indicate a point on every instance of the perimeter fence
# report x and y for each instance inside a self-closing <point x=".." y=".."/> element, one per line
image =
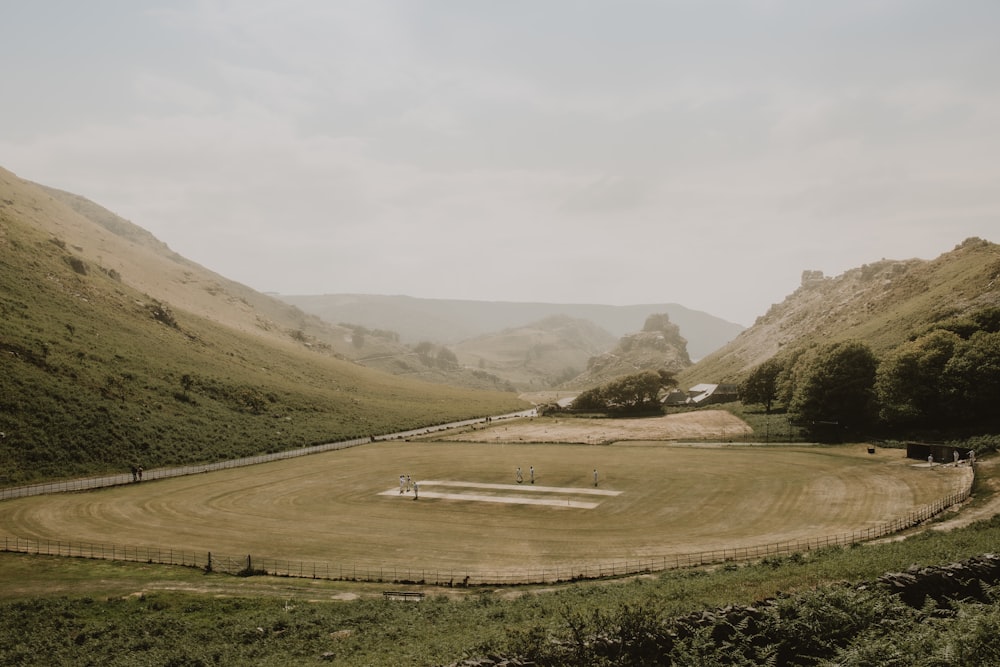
<point x="415" y="573"/>
<point x="89" y="483"/>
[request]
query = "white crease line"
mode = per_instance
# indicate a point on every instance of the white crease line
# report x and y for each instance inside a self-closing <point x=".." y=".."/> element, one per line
<point x="515" y="500"/>
<point x="523" y="487"/>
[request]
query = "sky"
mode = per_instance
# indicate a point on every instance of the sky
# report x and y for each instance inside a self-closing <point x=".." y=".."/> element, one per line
<point x="623" y="152"/>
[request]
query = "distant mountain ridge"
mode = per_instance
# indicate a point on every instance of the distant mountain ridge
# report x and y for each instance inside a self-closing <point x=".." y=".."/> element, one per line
<point x="451" y="321"/>
<point x="537" y="355"/>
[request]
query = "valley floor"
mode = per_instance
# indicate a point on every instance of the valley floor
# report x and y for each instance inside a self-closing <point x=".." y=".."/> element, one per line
<point x="701" y="426"/>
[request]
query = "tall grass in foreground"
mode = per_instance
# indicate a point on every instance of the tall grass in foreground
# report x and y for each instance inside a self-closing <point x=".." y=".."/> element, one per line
<point x="816" y="618"/>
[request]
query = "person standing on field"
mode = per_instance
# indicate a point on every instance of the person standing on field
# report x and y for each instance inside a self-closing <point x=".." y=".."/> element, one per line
<point x="595" y="476"/>
<point x="518" y="476"/>
<point x="416" y="492"/>
<point x="531" y="473"/>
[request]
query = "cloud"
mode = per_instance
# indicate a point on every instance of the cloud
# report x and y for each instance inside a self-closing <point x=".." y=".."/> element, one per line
<point x="704" y="153"/>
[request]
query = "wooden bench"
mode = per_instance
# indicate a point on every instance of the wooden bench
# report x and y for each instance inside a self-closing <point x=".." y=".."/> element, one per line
<point x="403" y="595"/>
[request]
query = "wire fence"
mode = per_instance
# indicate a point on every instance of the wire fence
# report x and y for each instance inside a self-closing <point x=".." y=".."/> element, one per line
<point x="88" y="483"/>
<point x="247" y="565"/>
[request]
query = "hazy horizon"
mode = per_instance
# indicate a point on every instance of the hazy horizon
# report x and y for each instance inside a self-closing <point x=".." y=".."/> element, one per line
<point x="703" y="154"/>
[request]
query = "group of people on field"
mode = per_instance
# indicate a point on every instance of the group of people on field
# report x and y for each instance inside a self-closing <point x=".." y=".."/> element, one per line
<point x="956" y="457"/>
<point x="405" y="484"/>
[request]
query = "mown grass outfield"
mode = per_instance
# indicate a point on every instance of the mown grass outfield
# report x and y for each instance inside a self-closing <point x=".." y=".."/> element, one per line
<point x="345" y="508"/>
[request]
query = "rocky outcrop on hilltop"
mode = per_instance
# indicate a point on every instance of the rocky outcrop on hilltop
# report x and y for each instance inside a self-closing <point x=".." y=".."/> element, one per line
<point x="659" y="346"/>
<point x="882" y="304"/>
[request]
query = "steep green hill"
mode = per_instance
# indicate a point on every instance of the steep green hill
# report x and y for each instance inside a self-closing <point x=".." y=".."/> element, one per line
<point x="882" y="304"/>
<point x="98" y="372"/>
<point x="150" y="266"/>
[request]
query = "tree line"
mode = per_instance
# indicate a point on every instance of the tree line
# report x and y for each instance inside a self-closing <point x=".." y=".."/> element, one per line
<point x="943" y="380"/>
<point x="632" y="394"/>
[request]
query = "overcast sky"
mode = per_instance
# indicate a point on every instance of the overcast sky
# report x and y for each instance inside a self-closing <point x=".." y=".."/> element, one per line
<point x="619" y="152"/>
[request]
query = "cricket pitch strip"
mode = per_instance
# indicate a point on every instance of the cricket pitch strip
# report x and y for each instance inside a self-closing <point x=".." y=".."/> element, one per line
<point x="527" y="494"/>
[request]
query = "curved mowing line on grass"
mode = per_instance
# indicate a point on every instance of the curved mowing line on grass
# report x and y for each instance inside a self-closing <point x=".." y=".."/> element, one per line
<point x="327" y="511"/>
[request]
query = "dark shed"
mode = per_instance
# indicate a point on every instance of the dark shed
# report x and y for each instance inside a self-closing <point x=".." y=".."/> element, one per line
<point x="941" y="453"/>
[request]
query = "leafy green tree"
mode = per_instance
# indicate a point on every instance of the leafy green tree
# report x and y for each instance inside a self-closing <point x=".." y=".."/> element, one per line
<point x="971" y="379"/>
<point x="985" y="319"/>
<point x="590" y="400"/>
<point x="908" y="383"/>
<point x="792" y="365"/>
<point x="761" y="385"/>
<point x="963" y="327"/>
<point x="836" y="386"/>
<point x="634" y="393"/>
<point x="947" y="378"/>
<point x="988" y="319"/>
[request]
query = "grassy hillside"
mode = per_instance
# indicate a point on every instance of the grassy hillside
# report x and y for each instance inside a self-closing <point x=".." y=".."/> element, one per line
<point x="152" y="267"/>
<point x="145" y="263"/>
<point x="97" y="374"/>
<point x="538" y="355"/>
<point x="882" y="304"/>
